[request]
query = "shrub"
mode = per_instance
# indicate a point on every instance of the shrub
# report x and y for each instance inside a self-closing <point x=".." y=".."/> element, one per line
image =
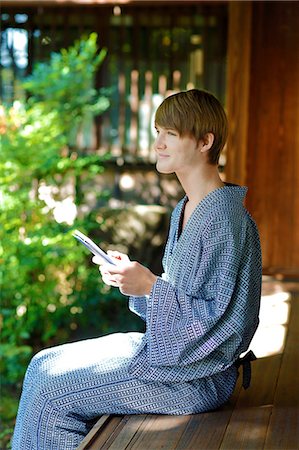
<point x="49" y="293"/>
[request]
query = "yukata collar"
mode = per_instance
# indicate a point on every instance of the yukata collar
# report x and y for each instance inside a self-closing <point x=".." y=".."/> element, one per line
<point x="229" y="191"/>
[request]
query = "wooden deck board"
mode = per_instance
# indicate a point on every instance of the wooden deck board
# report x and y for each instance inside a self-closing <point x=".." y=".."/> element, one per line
<point x="249" y="421"/>
<point x="206" y="431"/>
<point x="128" y="432"/>
<point x="116" y="426"/>
<point x="159" y="432"/>
<point x="283" y="431"/>
<point x="264" y="417"/>
<point x="94" y="432"/>
<point x="103" y="430"/>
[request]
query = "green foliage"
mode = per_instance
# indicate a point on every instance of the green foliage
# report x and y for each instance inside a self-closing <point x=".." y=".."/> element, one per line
<point x="66" y="85"/>
<point x="49" y="291"/>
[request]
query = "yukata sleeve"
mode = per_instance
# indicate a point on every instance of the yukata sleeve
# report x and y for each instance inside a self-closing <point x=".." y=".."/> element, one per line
<point x="138" y="305"/>
<point x="184" y="328"/>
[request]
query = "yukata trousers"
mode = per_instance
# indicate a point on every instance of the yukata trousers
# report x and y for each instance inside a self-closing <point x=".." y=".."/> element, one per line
<point x="66" y="389"/>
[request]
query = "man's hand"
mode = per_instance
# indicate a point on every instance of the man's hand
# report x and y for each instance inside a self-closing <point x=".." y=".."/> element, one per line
<point x="129" y="276"/>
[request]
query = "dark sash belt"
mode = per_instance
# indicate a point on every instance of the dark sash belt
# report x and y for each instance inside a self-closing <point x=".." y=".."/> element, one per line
<point x="245" y="361"/>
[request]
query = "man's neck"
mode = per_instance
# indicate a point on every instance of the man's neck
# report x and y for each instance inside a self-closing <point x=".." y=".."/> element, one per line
<point x="200" y="182"/>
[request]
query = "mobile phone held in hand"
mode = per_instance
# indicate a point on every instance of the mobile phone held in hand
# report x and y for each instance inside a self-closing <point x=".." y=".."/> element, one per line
<point x="92" y="247"/>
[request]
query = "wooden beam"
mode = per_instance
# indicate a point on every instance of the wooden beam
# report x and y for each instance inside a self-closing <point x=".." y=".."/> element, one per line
<point x="41" y="3"/>
<point x="238" y="78"/>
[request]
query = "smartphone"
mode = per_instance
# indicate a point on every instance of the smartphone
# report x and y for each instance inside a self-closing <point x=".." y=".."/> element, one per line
<point x="92" y="247"/>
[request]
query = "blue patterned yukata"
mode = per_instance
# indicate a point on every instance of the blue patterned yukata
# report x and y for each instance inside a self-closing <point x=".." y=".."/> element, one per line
<point x="200" y="316"/>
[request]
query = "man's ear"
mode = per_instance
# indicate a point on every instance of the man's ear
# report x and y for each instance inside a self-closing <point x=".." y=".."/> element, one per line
<point x="207" y="142"/>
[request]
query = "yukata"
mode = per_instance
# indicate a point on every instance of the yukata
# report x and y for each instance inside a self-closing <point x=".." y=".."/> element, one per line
<point x="200" y="316"/>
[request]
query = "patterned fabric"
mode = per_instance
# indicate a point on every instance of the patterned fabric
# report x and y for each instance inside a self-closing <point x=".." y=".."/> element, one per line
<point x="200" y="315"/>
<point x="203" y="312"/>
<point x="68" y="387"/>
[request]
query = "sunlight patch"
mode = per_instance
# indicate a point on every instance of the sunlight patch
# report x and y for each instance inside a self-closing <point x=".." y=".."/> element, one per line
<point x="270" y="336"/>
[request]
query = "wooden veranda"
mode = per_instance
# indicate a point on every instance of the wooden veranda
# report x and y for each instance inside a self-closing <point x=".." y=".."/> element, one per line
<point x="264" y="417"/>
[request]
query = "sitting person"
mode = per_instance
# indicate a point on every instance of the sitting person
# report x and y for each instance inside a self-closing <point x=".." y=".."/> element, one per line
<point x="200" y="314"/>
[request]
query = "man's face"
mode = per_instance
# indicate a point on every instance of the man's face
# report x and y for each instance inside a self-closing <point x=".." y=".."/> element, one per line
<point x="175" y="153"/>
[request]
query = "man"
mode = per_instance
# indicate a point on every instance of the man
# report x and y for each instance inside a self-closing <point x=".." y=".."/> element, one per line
<point x="200" y="314"/>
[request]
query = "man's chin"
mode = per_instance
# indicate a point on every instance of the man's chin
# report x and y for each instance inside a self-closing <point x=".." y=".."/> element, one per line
<point x="163" y="170"/>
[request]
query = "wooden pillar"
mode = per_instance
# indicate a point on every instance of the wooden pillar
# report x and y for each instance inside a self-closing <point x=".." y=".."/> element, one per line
<point x="238" y="72"/>
<point x="263" y="108"/>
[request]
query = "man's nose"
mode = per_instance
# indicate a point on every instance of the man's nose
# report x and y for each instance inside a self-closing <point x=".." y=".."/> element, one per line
<point x="160" y="142"/>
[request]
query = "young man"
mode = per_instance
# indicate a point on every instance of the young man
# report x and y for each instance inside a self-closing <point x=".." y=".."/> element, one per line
<point x="200" y="315"/>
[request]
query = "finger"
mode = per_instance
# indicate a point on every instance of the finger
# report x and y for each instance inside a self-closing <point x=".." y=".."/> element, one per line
<point x="109" y="281"/>
<point x="118" y="255"/>
<point x="113" y="270"/>
<point x="105" y="273"/>
<point x="98" y="260"/>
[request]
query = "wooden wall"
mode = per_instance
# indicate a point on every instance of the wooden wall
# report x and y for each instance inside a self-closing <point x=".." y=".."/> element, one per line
<point x="263" y="107"/>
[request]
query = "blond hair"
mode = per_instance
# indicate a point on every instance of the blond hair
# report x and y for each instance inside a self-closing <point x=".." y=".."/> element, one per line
<point x="195" y="113"/>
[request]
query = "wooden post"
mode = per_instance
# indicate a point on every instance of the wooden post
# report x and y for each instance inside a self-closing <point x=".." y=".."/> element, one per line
<point x="238" y="77"/>
<point x="263" y="108"/>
